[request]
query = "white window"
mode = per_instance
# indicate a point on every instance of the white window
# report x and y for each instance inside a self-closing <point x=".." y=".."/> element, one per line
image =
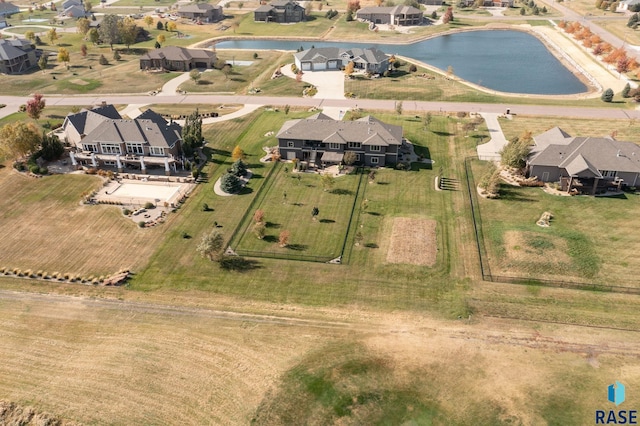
<point x="374" y="160"/>
<point x="156" y="150"/>
<point x="135" y="148"/>
<point x="608" y="173"/>
<point x="356" y="145"/>
<point x="374" y="148"/>
<point x="92" y="147"/>
<point x="110" y="148"/>
<point x="334" y="146"/>
<point x="291" y="144"/>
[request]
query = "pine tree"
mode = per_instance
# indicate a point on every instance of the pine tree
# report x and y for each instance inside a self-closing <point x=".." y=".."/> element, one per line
<point x="626" y="90"/>
<point x="230" y="183"/>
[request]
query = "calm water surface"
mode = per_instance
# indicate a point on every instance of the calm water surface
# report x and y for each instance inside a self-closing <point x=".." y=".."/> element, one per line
<point x="507" y="61"/>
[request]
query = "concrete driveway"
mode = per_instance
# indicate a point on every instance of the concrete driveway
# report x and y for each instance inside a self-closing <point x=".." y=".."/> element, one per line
<point x="330" y="84"/>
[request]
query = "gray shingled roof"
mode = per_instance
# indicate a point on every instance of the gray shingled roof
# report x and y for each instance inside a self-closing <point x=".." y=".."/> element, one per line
<point x="367" y="130"/>
<point x="145" y="131"/>
<point x="11" y="49"/>
<point x="369" y="55"/>
<point x="395" y="10"/>
<point x="6" y="7"/>
<point x="283" y="3"/>
<point x="198" y="8"/>
<point x="175" y="53"/>
<point x="600" y="153"/>
<point x="554" y="135"/>
<point x="580" y="167"/>
<point x="87" y="120"/>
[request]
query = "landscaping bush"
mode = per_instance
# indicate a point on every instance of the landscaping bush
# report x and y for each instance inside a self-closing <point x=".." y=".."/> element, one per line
<point x="34" y="169"/>
<point x="238" y="168"/>
<point x="607" y="95"/>
<point x="413" y="68"/>
<point x="126" y="212"/>
<point x="142" y="224"/>
<point x="103" y="60"/>
<point x="149" y="205"/>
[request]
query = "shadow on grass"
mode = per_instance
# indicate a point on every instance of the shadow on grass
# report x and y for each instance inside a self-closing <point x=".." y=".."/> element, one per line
<point x="327" y="221"/>
<point x="270" y="238"/>
<point x="245" y="190"/>
<point x="443" y="133"/>
<point x="371" y="245"/>
<point x="298" y="204"/>
<point x="382" y="183"/>
<point x="239" y="264"/>
<point x="374" y="214"/>
<point x="341" y="192"/>
<point x="415" y="167"/>
<point x="514" y="195"/>
<point x="297" y="247"/>
<point x="272" y="225"/>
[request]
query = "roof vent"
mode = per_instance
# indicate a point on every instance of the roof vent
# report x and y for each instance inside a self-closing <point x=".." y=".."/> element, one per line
<point x="618" y="154"/>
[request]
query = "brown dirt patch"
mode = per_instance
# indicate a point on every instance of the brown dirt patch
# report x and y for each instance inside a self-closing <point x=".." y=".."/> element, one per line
<point x="413" y="241"/>
<point x="519" y="247"/>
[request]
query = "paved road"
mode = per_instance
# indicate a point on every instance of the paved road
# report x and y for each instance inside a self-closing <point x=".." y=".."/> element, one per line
<point x="410" y="107"/>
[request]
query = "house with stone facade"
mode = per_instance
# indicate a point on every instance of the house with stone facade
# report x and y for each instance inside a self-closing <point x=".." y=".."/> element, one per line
<point x="584" y="164"/>
<point x="320" y="140"/>
<point x="102" y="138"/>
<point x="394" y="15"/>
<point x="280" y="11"/>
<point x="370" y="60"/>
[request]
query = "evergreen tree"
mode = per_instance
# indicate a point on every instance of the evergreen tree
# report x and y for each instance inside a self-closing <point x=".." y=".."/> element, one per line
<point x="626" y="90"/>
<point x="607" y="95"/>
<point x="239" y="168"/>
<point x="230" y="183"/>
<point x="52" y="148"/>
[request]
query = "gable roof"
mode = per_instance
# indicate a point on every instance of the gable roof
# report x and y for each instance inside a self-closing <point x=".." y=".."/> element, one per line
<point x="6" y="8"/>
<point x="367" y="130"/>
<point x="87" y="120"/>
<point x="589" y="153"/>
<point x="198" y="8"/>
<point x="369" y="55"/>
<point x="390" y="10"/>
<point x="175" y="53"/>
<point x="143" y="131"/>
<point x="580" y="167"/>
<point x="12" y="49"/>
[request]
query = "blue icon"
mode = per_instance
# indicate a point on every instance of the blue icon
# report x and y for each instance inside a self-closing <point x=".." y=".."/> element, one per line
<point x="616" y="393"/>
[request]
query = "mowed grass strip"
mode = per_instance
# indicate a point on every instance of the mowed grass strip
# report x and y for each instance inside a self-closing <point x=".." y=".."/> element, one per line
<point x="288" y="203"/>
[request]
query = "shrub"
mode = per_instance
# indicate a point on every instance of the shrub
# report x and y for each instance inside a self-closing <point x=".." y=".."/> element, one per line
<point x="185" y="235"/>
<point x="413" y="68"/>
<point x="238" y="168"/>
<point x="205" y="207"/>
<point x="43" y="171"/>
<point x="142" y="224"/>
<point x="34" y="169"/>
<point x="103" y="60"/>
<point x="149" y="205"/>
<point x="126" y="212"/>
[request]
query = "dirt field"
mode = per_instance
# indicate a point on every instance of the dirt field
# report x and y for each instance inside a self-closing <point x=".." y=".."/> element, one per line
<point x="413" y="241"/>
<point x="106" y="361"/>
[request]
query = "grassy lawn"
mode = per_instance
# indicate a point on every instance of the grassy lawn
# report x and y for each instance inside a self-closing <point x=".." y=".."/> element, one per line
<point x="628" y="130"/>
<point x="40" y="214"/>
<point x="186" y="109"/>
<point x="315" y="26"/>
<point x="588" y="240"/>
<point x="321" y="239"/>
<point x="619" y="29"/>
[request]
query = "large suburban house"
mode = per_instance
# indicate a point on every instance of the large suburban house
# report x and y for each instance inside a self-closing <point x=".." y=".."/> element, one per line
<point x="395" y="15"/>
<point x="320" y="140"/>
<point x="7" y="9"/>
<point x="334" y="58"/>
<point x="280" y="11"/>
<point x="584" y="164"/>
<point x="174" y="58"/>
<point x="203" y="12"/>
<point x="101" y="137"/>
<point x="16" y="56"/>
<point x="489" y="3"/>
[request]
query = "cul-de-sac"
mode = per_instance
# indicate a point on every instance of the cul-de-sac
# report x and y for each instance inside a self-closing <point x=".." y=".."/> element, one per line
<point x="319" y="212"/>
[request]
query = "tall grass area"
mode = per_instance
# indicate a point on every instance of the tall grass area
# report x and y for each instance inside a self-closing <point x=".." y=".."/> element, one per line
<point x="366" y="279"/>
<point x="590" y="240"/>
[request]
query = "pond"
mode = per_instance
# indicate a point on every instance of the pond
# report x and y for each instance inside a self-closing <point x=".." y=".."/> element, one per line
<point x="502" y="60"/>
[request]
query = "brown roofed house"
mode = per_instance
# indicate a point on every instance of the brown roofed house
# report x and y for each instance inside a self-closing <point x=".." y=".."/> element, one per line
<point x="174" y="58"/>
<point x="203" y="12"/>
